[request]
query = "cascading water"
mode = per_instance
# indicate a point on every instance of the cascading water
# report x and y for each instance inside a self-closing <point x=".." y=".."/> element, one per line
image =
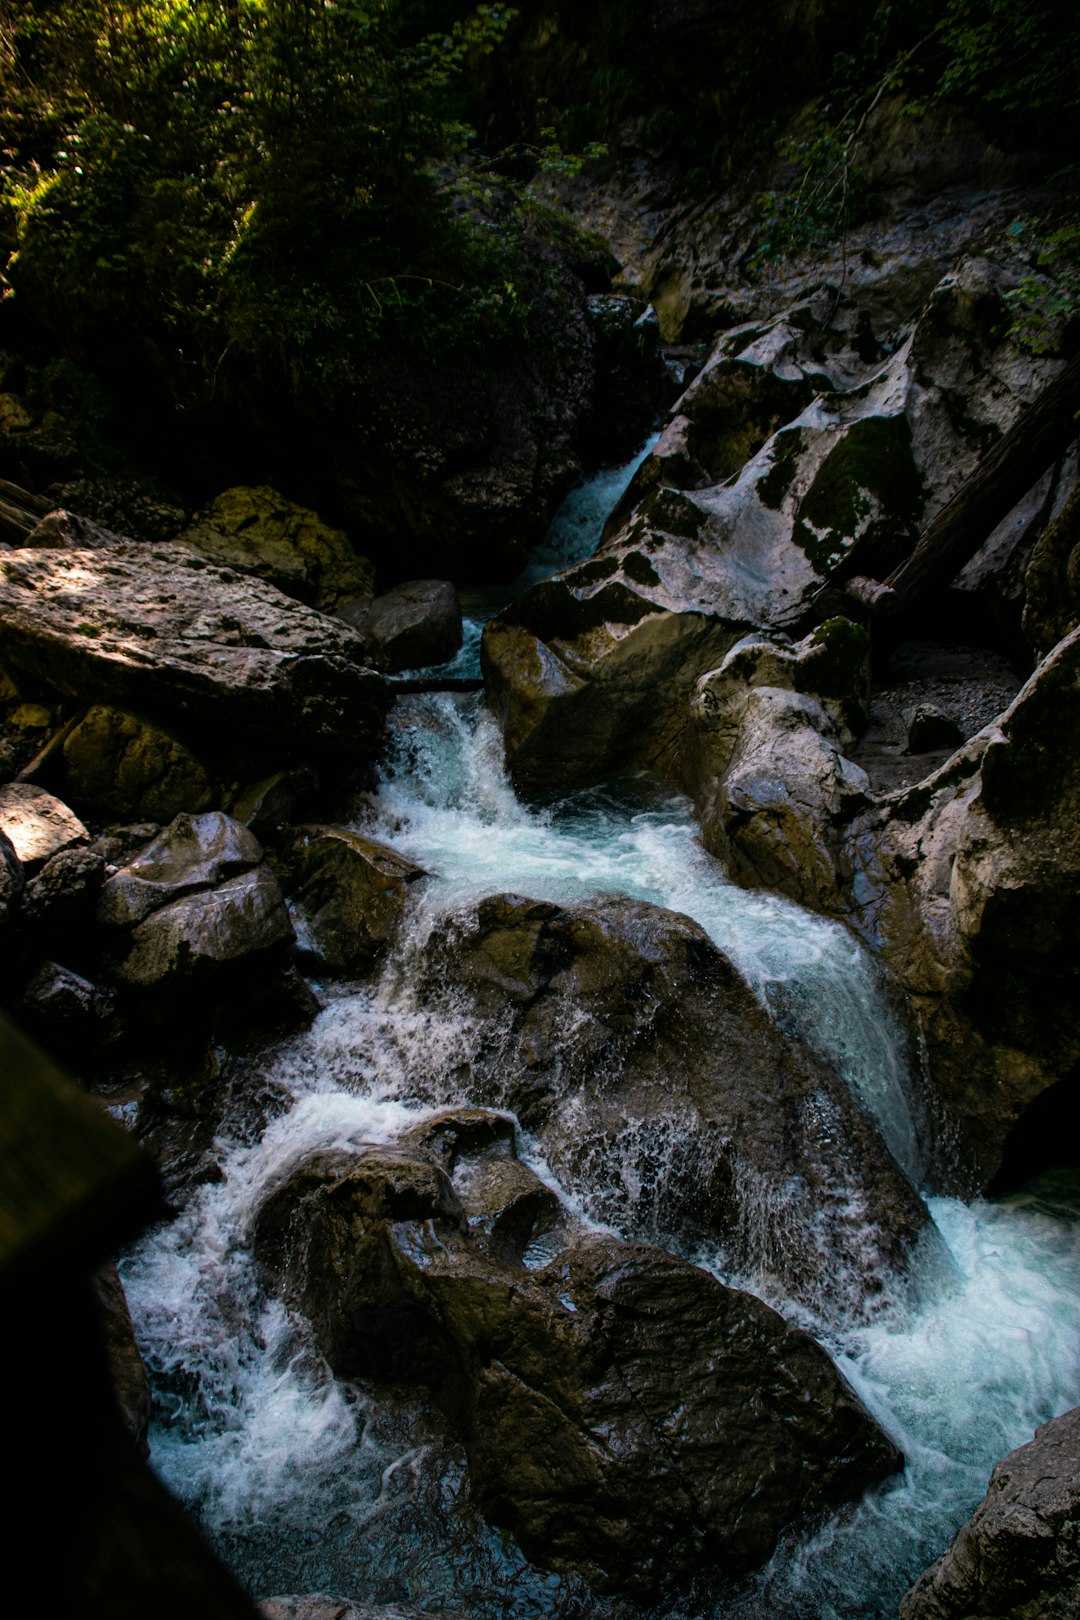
<point x="308" y="1485"/>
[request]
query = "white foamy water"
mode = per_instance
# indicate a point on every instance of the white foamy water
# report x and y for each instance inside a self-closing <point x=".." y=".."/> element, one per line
<point x="308" y="1485"/>
<point x="574" y="533"/>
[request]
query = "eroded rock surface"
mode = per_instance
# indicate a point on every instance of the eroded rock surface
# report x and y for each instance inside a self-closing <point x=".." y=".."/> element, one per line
<point x="624" y="1413"/>
<point x="1018" y="1556"/>
<point x="628" y="1045"/>
<point x="412" y="625"/>
<point x="967" y="885"/>
<point x="805" y="449"/>
<point x="37" y="824"/>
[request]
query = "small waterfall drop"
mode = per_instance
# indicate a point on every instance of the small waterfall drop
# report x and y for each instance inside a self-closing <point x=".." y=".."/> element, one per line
<point x="306" y="1484"/>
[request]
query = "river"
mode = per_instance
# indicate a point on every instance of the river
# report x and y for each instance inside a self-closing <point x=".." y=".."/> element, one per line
<point x="307" y="1484"/>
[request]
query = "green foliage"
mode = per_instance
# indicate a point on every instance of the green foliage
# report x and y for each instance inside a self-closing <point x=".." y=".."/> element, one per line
<point x="1013" y="63"/>
<point x="1047" y="299"/>
<point x="267" y="177"/>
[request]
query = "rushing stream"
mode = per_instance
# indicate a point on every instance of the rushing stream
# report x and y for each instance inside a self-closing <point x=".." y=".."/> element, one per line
<point x="306" y="1484"/>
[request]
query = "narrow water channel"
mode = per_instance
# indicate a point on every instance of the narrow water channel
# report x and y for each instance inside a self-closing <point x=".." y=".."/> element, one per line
<point x="306" y="1484"/>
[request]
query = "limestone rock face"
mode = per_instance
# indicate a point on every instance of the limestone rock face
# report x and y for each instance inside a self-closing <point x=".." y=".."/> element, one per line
<point x="646" y="1069"/>
<point x="415" y="624"/>
<point x="624" y="1414"/>
<point x="775" y="793"/>
<point x="36" y="823"/>
<point x="967" y="885"/>
<point x="159" y="631"/>
<point x="257" y="531"/>
<point x="805" y="448"/>
<point x="120" y="766"/>
<point x="347" y="895"/>
<point x="1018" y="1556"/>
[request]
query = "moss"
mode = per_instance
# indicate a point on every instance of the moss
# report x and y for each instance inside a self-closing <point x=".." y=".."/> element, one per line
<point x="673" y="513"/>
<point x="870" y="471"/>
<point x="787" y="446"/>
<point x="839" y="662"/>
<point x="639" y="569"/>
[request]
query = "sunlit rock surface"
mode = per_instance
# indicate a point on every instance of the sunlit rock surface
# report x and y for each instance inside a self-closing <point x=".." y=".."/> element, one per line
<point x="160" y="631"/>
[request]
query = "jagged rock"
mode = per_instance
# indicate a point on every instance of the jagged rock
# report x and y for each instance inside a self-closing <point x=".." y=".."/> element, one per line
<point x="119" y="844"/>
<point x="645" y="1068"/>
<point x="257" y="531"/>
<point x="11" y="878"/>
<point x="160" y="631"/>
<point x="61" y="530"/>
<point x="1018" y="1556"/>
<point x="61" y="899"/>
<point x="194" y="900"/>
<point x="347" y="895"/>
<point x="797" y="453"/>
<point x="415" y="624"/>
<point x="67" y="1012"/>
<point x="37" y="823"/>
<point x="192" y="853"/>
<point x="130" y="1385"/>
<point x="118" y="765"/>
<point x="1052" y="606"/>
<point x="623" y="1412"/>
<point x="774" y="791"/>
<point x="929" y="729"/>
<point x="967" y="885"/>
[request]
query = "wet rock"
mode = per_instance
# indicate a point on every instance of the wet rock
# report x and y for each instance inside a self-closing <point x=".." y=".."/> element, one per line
<point x="257" y="531"/>
<point x="193" y="852"/>
<point x="317" y="1606"/>
<point x="347" y="895"/>
<point x="624" y="1413"/>
<point x="649" y="1074"/>
<point x="69" y="1014"/>
<point x="415" y="624"/>
<point x="1018" y="1556"/>
<point x="119" y="844"/>
<point x="194" y="900"/>
<point x="265" y="805"/>
<point x="117" y="766"/>
<point x="130" y="1385"/>
<point x="158" y="631"/>
<point x="967" y="886"/>
<point x="240" y="918"/>
<point x="37" y="823"/>
<point x="929" y="729"/>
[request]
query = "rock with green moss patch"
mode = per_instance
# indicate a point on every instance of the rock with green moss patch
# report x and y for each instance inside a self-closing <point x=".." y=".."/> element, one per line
<point x="118" y="766"/>
<point x="257" y="531"/>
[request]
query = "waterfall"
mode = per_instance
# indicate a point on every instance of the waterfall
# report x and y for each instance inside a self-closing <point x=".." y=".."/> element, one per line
<point x="306" y="1484"/>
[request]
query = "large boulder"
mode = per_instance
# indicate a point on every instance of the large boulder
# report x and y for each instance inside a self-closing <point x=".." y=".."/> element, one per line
<point x="118" y="766"/>
<point x="775" y="793"/>
<point x="653" y="1079"/>
<point x="196" y="900"/>
<point x="257" y="531"/>
<point x="1018" y="1556"/>
<point x="805" y="449"/>
<point x="347" y="895"/>
<point x="159" y="631"/>
<point x="415" y="624"/>
<point x="624" y="1413"/>
<point x="968" y="886"/>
